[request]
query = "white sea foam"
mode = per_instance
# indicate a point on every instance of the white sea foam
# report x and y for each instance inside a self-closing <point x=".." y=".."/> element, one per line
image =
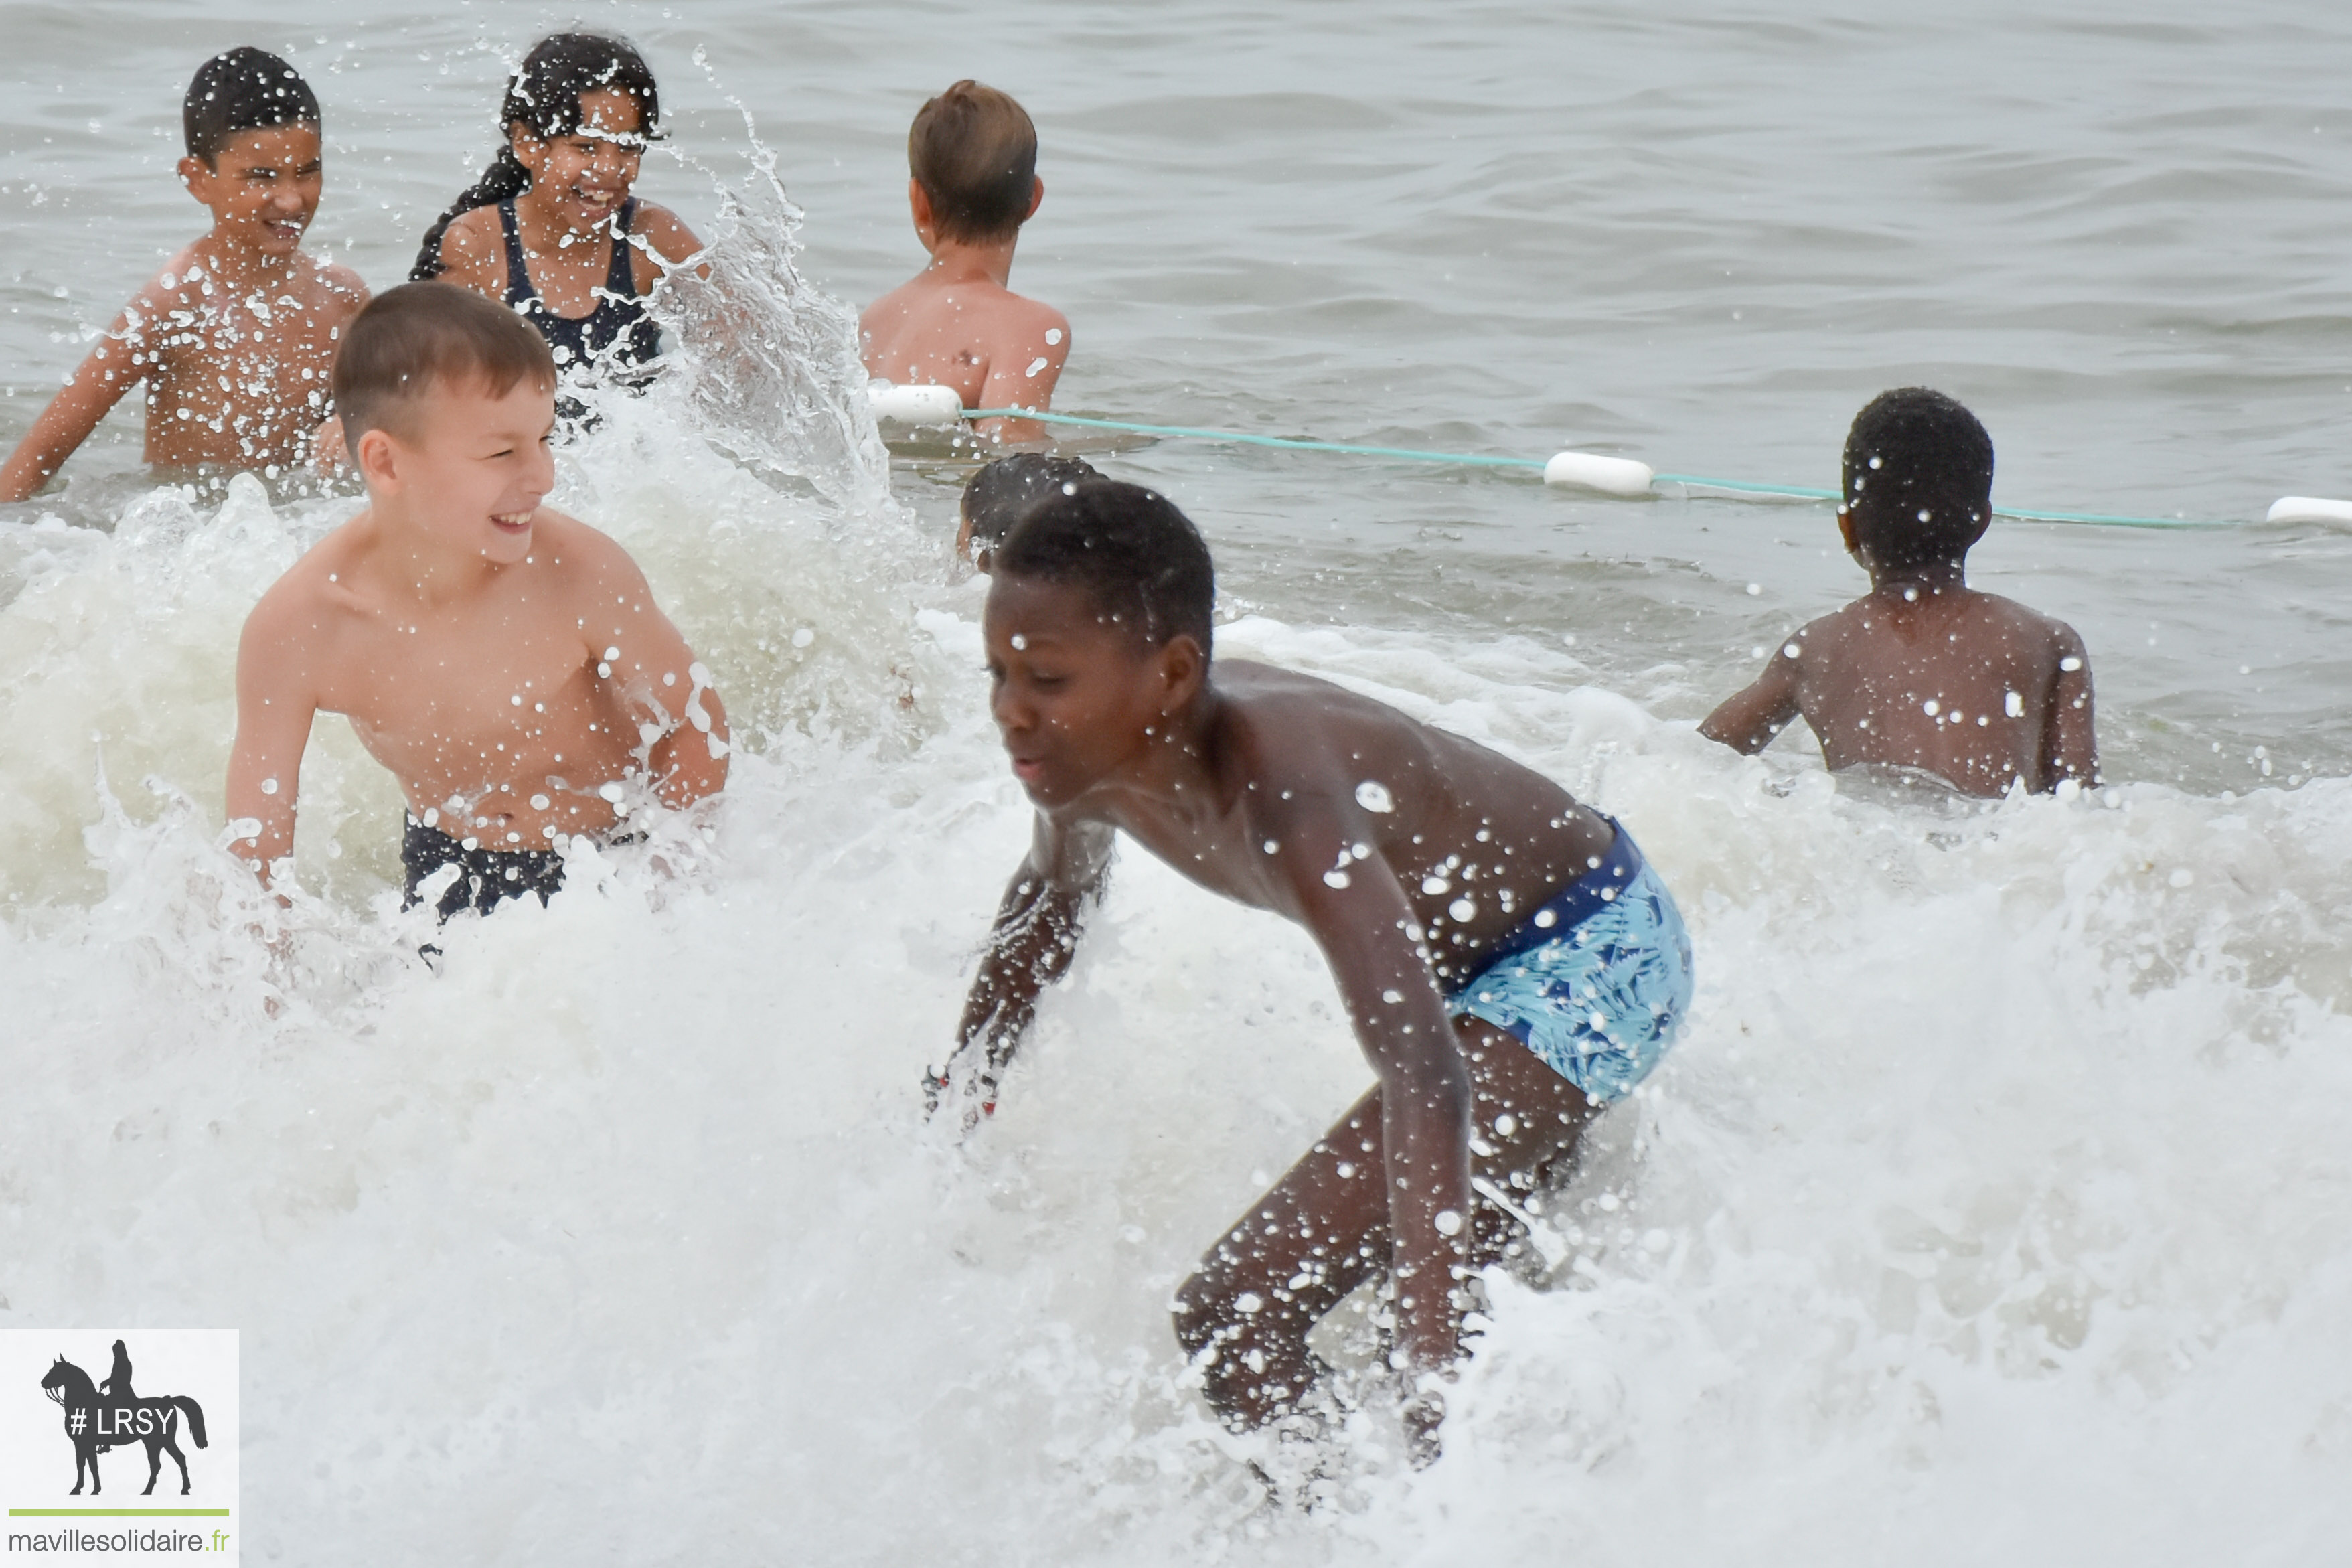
<point x="1995" y="1206"/>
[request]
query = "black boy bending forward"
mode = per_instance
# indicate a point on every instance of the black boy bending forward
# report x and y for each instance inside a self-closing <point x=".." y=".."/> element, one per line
<point x="1508" y="960"/>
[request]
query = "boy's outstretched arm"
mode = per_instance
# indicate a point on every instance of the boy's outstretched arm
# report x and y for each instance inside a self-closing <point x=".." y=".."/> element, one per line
<point x="1359" y="915"/>
<point x="1029" y="948"/>
<point x="1749" y="720"/>
<point x="275" y="706"/>
<point x="90" y="393"/>
<point x="2073" y="748"/>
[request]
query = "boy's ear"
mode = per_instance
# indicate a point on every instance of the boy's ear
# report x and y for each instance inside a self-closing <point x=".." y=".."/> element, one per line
<point x="1183" y="668"/>
<point x="1036" y="198"/>
<point x="918" y="207"/>
<point x="198" y="176"/>
<point x="377" y="460"/>
<point x="1846" y="532"/>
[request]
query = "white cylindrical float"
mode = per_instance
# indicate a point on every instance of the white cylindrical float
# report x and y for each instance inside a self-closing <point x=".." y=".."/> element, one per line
<point x="2309" y="509"/>
<point x="1592" y="472"/>
<point x="914" y="405"/>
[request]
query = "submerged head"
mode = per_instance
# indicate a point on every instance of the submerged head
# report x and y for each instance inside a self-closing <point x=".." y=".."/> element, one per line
<point x="1098" y="631"/>
<point x="579" y="112"/>
<point x="997" y="497"/>
<point x="448" y="400"/>
<point x="252" y="129"/>
<point x="1918" y="482"/>
<point x="973" y="157"/>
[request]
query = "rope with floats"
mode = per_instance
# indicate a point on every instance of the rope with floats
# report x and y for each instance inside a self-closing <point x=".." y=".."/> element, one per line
<point x="1622" y="477"/>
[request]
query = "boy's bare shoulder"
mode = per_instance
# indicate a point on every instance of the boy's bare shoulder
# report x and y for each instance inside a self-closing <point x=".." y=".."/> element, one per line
<point x="1302" y="727"/>
<point x="2025" y="621"/>
<point x="307" y="600"/>
<point x="341" y="290"/>
<point x="1028" y="323"/>
<point x="582" y="557"/>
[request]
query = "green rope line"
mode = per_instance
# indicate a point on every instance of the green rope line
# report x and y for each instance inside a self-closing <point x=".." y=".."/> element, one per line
<point x="1237" y="437"/>
<point x="1473" y="459"/>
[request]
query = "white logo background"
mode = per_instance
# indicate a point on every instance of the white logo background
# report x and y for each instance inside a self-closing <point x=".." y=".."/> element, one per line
<point x="37" y="1457"/>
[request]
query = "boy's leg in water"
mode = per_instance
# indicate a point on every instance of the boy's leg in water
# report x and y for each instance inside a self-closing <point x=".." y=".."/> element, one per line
<point x="1323" y="1229"/>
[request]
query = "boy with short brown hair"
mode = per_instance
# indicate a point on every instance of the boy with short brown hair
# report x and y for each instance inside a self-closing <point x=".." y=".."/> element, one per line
<point x="972" y="159"/>
<point x="235" y="339"/>
<point x="1925" y="674"/>
<point x="505" y="662"/>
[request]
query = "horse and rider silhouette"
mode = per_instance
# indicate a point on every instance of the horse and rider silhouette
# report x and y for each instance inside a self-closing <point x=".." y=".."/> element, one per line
<point x="117" y="1418"/>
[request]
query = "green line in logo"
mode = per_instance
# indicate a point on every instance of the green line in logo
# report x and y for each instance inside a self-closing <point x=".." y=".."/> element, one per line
<point x="118" y="1513"/>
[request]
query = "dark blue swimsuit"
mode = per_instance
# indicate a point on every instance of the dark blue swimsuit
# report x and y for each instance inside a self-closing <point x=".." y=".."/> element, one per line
<point x="618" y="332"/>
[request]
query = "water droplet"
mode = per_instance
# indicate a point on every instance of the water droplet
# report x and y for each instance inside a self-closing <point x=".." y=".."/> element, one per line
<point x="1337" y="879"/>
<point x="1374" y="797"/>
<point x="539" y="803"/>
<point x="2070" y="664"/>
<point x="2013" y="705"/>
<point x="1463" y="908"/>
<point x="269" y="786"/>
<point x="1930" y="707"/>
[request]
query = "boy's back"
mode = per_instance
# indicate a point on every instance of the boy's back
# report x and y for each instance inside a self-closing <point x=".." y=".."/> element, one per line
<point x="1925" y="672"/>
<point x="973" y="157"/>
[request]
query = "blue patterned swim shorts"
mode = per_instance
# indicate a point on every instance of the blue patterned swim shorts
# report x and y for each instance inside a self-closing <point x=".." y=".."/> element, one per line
<point x="1597" y="980"/>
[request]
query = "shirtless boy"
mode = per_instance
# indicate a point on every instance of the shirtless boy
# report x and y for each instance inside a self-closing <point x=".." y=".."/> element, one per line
<point x="973" y="154"/>
<point x="1509" y="961"/>
<point x="235" y="339"/>
<point x="505" y="662"/>
<point x="1923" y="673"/>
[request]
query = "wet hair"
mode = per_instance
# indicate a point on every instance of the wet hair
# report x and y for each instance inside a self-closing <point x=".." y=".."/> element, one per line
<point x="543" y="96"/>
<point x="974" y="152"/>
<point x="997" y="496"/>
<point x="244" y="89"/>
<point x="419" y="335"/>
<point x="1918" y="479"/>
<point x="1139" y="559"/>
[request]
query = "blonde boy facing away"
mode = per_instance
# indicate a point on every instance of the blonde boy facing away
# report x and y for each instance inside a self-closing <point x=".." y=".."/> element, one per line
<point x="235" y="339"/>
<point x="505" y="662"/>
<point x="972" y="155"/>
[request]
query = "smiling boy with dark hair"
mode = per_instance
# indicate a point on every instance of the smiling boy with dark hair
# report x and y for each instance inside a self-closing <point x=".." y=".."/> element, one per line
<point x="235" y="339"/>
<point x="1508" y="960"/>
<point x="1924" y="673"/>
<point x="505" y="662"/>
<point x="972" y="159"/>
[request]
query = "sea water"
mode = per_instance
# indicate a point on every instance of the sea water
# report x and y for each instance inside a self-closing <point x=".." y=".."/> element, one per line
<point x="1996" y="1206"/>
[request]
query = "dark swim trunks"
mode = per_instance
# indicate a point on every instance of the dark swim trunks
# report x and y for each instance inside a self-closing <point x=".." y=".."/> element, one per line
<point x="486" y="878"/>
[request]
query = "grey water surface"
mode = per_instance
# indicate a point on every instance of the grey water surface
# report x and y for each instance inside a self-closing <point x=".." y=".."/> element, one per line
<point x="1698" y="235"/>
